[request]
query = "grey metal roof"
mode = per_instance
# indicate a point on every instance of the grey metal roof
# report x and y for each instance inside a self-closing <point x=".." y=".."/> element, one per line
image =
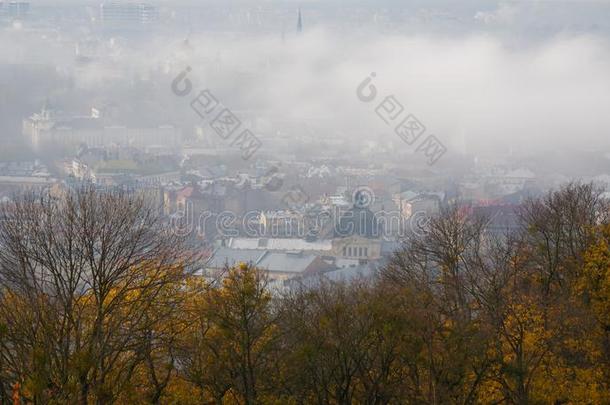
<point x="227" y="256"/>
<point x="286" y="262"/>
<point x="280" y="244"/>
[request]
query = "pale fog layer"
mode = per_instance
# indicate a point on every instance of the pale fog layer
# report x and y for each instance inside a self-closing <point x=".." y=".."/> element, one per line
<point x="509" y="78"/>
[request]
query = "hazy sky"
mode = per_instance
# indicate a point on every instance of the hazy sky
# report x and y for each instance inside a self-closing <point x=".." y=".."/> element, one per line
<point x="500" y="83"/>
<point x="467" y="89"/>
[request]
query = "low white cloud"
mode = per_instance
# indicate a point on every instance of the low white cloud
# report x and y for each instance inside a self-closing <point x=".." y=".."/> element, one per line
<point x="474" y="92"/>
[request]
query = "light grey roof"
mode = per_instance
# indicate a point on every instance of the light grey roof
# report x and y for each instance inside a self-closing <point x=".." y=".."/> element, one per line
<point x="224" y="255"/>
<point x="409" y="195"/>
<point x="286" y="262"/>
<point x="280" y="244"/>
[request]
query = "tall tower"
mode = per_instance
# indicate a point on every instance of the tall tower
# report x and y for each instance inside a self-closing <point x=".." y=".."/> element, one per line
<point x="299" y="23"/>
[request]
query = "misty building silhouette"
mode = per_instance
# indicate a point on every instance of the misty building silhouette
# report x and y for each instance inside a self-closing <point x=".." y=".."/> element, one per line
<point x="126" y="13"/>
<point x="14" y="9"/>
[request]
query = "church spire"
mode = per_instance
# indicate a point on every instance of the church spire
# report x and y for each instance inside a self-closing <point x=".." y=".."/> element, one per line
<point x="299" y="23"/>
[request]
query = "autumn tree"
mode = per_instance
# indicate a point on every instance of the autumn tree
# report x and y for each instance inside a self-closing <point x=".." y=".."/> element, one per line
<point x="347" y="343"/>
<point x="593" y="293"/>
<point x="228" y="348"/>
<point x="79" y="275"/>
<point x="439" y="266"/>
<point x="558" y="232"/>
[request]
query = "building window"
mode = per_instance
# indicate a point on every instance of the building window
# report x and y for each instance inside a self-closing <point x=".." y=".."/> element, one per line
<point x="344" y="250"/>
<point x="359" y="252"/>
<point x="366" y="253"/>
<point x="349" y="251"/>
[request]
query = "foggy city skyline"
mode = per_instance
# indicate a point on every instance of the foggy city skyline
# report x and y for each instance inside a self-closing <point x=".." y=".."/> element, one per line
<point x="305" y="201"/>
